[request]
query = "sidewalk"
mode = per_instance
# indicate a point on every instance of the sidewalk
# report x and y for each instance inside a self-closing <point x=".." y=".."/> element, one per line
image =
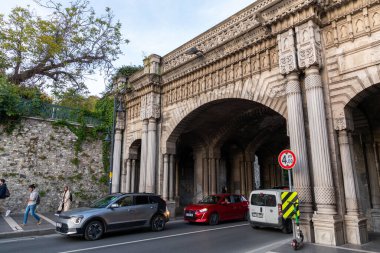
<point x="10" y="226"/>
<point x="373" y="246"/>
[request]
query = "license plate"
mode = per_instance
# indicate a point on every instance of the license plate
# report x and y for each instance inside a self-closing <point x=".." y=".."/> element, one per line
<point x="189" y="215"/>
<point x="59" y="225"/>
<point x="258" y="215"/>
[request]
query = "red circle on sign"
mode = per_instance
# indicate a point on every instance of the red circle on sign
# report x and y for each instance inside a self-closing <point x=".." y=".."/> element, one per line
<point x="287" y="159"/>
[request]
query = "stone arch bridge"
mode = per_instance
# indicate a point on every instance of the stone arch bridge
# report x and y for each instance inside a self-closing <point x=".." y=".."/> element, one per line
<point x="218" y="110"/>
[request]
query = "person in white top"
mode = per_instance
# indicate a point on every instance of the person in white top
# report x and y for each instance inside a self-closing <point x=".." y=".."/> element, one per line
<point x="32" y="204"/>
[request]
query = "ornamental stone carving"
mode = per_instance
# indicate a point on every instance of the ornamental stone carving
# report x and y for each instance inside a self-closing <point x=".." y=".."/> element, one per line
<point x="150" y="106"/>
<point x="287" y="52"/>
<point x="308" y="45"/>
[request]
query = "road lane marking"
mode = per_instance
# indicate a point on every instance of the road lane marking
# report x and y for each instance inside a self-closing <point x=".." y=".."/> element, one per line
<point x="47" y="219"/>
<point x="12" y="223"/>
<point x="152" y="239"/>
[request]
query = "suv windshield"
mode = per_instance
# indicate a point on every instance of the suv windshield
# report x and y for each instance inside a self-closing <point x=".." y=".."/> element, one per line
<point x="103" y="202"/>
<point x="210" y="200"/>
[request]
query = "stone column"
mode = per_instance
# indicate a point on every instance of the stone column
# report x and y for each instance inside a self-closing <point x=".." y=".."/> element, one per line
<point x="324" y="186"/>
<point x="212" y="175"/>
<point x="151" y="158"/>
<point x="123" y="177"/>
<point x="144" y="152"/>
<point x="374" y="185"/>
<point x="116" y="162"/>
<point x="171" y="177"/>
<point x="133" y="175"/>
<point x="250" y="177"/>
<point x="165" y="182"/>
<point x="206" y="177"/>
<point x="356" y="226"/>
<point x="296" y="127"/>
<point x="328" y="227"/>
<point x="128" y="177"/>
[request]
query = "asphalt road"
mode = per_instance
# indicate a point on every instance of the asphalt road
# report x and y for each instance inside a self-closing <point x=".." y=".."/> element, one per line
<point x="178" y="237"/>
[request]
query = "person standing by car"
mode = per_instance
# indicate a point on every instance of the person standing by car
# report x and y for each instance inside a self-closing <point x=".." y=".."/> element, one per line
<point x="31" y="205"/>
<point x="66" y="198"/>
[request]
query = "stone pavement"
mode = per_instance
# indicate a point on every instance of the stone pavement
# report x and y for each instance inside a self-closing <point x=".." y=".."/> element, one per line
<point x="10" y="228"/>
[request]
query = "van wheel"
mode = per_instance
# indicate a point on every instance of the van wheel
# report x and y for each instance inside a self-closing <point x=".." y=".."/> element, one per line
<point x="255" y="226"/>
<point x="287" y="227"/>
<point x="93" y="231"/>
<point x="214" y="219"/>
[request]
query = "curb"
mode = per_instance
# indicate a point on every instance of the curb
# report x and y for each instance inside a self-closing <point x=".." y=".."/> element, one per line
<point x="15" y="234"/>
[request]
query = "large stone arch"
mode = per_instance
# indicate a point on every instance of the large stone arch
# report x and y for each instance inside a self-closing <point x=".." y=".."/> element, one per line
<point x="267" y="91"/>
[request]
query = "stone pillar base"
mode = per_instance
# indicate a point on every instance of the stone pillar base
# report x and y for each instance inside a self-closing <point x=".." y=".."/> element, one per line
<point x="171" y="207"/>
<point x="328" y="229"/>
<point x="306" y="225"/>
<point x="375" y="215"/>
<point x="356" y="229"/>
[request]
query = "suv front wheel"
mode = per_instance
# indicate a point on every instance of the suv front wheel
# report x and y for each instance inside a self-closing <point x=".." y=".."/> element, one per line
<point x="93" y="230"/>
<point x="158" y="223"/>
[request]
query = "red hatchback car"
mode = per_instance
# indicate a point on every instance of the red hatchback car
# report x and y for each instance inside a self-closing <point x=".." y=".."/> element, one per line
<point x="219" y="207"/>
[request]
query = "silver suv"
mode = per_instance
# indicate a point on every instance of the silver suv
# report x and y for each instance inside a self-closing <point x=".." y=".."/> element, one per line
<point x="113" y="213"/>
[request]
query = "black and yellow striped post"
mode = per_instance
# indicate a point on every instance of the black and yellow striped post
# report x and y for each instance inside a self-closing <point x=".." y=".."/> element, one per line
<point x="288" y="208"/>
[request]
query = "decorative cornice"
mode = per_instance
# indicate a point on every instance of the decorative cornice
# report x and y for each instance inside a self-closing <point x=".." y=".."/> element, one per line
<point x="259" y="14"/>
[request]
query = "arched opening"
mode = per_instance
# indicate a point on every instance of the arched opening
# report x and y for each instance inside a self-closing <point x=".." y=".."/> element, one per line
<point x="365" y="112"/>
<point x="134" y="156"/>
<point x="223" y="143"/>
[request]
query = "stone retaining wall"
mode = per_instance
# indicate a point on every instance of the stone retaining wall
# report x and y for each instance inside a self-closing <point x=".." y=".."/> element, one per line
<point x="38" y="152"/>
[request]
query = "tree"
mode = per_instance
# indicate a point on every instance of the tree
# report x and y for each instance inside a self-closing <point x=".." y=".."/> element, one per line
<point x="65" y="46"/>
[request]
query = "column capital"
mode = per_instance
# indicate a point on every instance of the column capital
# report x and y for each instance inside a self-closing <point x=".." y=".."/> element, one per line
<point x="308" y="45"/>
<point x="287" y="52"/>
<point x="313" y="78"/>
<point x="292" y="85"/>
<point x="150" y="106"/>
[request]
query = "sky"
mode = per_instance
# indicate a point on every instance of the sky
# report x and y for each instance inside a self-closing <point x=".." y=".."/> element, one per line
<point x="151" y="26"/>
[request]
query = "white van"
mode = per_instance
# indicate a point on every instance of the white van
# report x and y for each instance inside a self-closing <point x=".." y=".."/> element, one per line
<point x="265" y="210"/>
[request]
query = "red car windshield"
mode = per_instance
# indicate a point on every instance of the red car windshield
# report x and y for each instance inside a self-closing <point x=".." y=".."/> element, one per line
<point x="210" y="200"/>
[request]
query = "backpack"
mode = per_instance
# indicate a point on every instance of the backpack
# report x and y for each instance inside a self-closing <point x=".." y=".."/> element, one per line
<point x="71" y="197"/>
<point x="38" y="200"/>
<point x="7" y="193"/>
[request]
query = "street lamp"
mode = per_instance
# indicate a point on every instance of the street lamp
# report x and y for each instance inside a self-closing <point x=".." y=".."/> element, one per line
<point x="109" y="139"/>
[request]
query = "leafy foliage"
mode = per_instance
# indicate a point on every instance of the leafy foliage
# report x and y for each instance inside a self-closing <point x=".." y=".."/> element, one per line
<point x="9" y="99"/>
<point x="68" y="44"/>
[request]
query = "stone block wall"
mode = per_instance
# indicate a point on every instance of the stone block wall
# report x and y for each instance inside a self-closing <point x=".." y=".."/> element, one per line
<point x="41" y="153"/>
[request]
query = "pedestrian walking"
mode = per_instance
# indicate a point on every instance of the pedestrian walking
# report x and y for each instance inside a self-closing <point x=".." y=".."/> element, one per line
<point x="32" y="202"/>
<point x="66" y="198"/>
<point x="224" y="189"/>
<point x="4" y="193"/>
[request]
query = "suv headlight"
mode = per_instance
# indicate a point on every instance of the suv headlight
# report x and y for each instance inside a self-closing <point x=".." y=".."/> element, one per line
<point x="203" y="210"/>
<point x="76" y="219"/>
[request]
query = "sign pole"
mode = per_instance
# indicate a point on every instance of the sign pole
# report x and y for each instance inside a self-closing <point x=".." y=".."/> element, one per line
<point x="287" y="160"/>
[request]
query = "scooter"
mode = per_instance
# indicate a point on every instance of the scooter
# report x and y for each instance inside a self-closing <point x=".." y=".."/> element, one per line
<point x="297" y="242"/>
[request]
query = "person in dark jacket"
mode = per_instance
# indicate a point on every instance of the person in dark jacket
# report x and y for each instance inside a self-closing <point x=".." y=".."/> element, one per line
<point x="3" y="190"/>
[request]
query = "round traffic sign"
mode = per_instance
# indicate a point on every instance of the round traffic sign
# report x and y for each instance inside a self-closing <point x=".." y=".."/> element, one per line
<point x="287" y="159"/>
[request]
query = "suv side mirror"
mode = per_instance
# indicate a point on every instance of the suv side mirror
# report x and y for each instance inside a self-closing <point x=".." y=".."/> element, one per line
<point x="114" y="205"/>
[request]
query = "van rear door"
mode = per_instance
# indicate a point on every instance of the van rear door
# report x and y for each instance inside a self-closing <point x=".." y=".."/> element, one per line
<point x="257" y="207"/>
<point x="263" y="208"/>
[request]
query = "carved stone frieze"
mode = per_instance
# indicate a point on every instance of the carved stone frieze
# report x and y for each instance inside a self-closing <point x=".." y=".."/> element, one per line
<point x="287" y="52"/>
<point x="259" y="14"/>
<point x="308" y="45"/>
<point x="150" y="106"/>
